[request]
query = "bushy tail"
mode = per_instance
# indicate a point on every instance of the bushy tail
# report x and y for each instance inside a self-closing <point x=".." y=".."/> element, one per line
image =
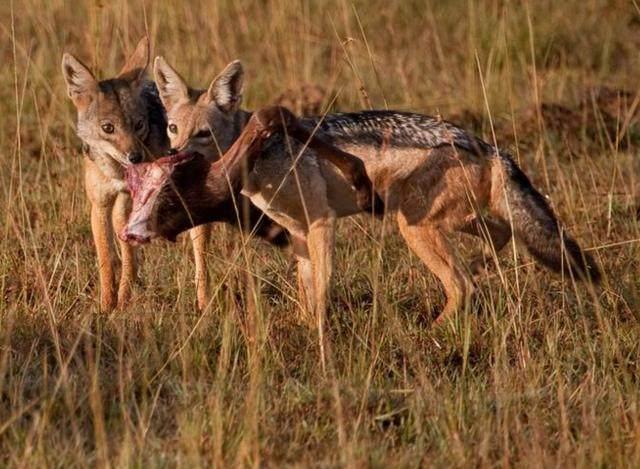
<point x="535" y="224"/>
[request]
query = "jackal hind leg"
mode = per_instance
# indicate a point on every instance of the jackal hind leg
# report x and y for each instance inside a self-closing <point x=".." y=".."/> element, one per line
<point x="430" y="244"/>
<point x="200" y="236"/>
<point x="128" y="272"/>
<point x="101" y="230"/>
<point x="495" y="234"/>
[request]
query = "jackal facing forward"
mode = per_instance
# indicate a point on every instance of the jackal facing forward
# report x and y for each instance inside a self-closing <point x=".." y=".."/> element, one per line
<point x="120" y="121"/>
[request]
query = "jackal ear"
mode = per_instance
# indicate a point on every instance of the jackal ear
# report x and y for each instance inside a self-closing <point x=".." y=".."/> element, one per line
<point x="226" y="89"/>
<point x="81" y="84"/>
<point x="171" y="86"/>
<point x="136" y="67"/>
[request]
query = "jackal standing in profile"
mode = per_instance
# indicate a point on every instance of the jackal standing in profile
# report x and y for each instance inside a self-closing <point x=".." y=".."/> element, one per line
<point x="433" y="176"/>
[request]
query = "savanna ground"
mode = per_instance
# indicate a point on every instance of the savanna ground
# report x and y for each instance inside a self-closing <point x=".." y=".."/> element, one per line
<point x="539" y="372"/>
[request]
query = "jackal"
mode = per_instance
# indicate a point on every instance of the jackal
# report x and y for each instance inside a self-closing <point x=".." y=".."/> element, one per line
<point x="433" y="176"/>
<point x="122" y="121"/>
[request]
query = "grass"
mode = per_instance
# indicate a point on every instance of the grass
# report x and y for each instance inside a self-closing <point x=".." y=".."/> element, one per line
<point x="539" y="372"/>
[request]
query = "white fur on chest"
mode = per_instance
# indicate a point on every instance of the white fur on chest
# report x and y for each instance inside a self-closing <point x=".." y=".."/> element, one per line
<point x="103" y="181"/>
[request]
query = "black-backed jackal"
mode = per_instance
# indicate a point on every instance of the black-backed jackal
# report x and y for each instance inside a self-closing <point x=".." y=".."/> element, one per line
<point x="434" y="177"/>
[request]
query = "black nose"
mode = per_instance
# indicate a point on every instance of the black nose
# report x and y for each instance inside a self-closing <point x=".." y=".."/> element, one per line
<point x="135" y="157"/>
<point x="172" y="151"/>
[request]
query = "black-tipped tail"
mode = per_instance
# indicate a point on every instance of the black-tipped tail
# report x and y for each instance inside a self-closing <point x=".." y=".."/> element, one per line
<point x="536" y="225"/>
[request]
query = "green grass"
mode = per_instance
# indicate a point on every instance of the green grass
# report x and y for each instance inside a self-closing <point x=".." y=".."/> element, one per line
<point x="539" y="372"/>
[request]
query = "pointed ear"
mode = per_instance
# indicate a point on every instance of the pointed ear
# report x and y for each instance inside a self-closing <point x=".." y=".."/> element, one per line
<point x="171" y="85"/>
<point x="226" y="88"/>
<point x="136" y="67"/>
<point x="81" y="84"/>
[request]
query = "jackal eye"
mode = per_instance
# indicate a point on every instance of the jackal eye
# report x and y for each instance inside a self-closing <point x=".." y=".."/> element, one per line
<point x="108" y="128"/>
<point x="173" y="128"/>
<point x="139" y="125"/>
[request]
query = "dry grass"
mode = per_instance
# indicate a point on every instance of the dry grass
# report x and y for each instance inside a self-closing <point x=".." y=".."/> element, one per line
<point x="539" y="372"/>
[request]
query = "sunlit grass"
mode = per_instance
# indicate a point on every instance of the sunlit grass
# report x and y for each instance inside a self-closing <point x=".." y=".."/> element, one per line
<point x="539" y="372"/>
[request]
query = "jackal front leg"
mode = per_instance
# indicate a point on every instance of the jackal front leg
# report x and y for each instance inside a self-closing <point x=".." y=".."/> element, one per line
<point x="320" y="240"/>
<point x="200" y="238"/>
<point x="121" y="209"/>
<point x="304" y="274"/>
<point x="101" y="230"/>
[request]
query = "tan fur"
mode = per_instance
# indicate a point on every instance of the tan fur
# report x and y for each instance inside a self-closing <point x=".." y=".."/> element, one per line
<point x="434" y="192"/>
<point x="176" y="96"/>
<point x="104" y="166"/>
<point x="102" y="193"/>
<point x="195" y="115"/>
<point x="119" y="215"/>
<point x="109" y="212"/>
<point x="200" y="236"/>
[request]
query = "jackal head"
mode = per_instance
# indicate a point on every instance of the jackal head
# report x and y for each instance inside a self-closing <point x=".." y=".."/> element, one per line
<point x="112" y="116"/>
<point x="202" y="121"/>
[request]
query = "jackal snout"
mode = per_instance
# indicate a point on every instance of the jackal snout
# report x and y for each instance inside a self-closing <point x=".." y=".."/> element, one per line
<point x="135" y="157"/>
